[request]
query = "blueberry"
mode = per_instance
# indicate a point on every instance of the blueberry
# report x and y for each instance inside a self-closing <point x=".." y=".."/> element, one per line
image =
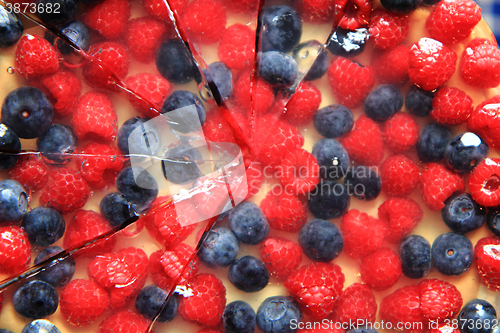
<point x="175" y="63"/>
<point x="347" y="43"/>
<point x="221" y="75"/>
<point x="462" y="214"/>
<point x="332" y="158"/>
<point x="277" y="315"/>
<point x="278" y="69"/>
<point x="13" y="201"/>
<point x="180" y="165"/>
<point x="3" y="330"/>
<point x="248" y="274"/>
<point x="57" y="144"/>
<point x="418" y="102"/>
<point x="320" y="65"/>
<point x="321" y="240"/>
<point x="44" y="226"/>
<point x="238" y="317"/>
<point x="142" y="136"/>
<point x="329" y="200"/>
<point x="401" y="6"/>
<point x="432" y="143"/>
<point x="57" y="11"/>
<point x="362" y="330"/>
<point x="138" y="186"/>
<point x="493" y="220"/>
<point x="220" y="248"/>
<point x="464" y="152"/>
<point x="363" y="182"/>
<point x="281" y="29"/>
<point x="36" y="299"/>
<point x="116" y="209"/>
<point x="58" y="274"/>
<point x="184" y="120"/>
<point x="430" y="2"/>
<point x="11" y="28"/>
<point x="76" y="32"/>
<point x="40" y="326"/>
<point x="477" y="316"/>
<point x="333" y="121"/>
<point x="248" y="223"/>
<point x="28" y="112"/>
<point x="10" y="146"/>
<point x="452" y="254"/>
<point x="415" y="255"/>
<point x="150" y="300"/>
<point x="383" y="102"/>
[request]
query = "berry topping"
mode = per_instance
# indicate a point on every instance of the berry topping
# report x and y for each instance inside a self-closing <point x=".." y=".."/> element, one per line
<point x="438" y="184"/>
<point x="383" y="102"/>
<point x="109" y="63"/>
<point x="12" y="28"/>
<point x="43" y="225"/>
<point x="138" y="186"/>
<point x="452" y="254"/>
<point x="419" y="102"/>
<point x="76" y="32"/>
<point x="432" y="143"/>
<point x="488" y="261"/>
<point x="451" y="106"/>
<point x="387" y="29"/>
<point x="248" y="274"/>
<point x="239" y="317"/>
<point x="57" y="274"/>
<point x="35" y="56"/>
<point x="403" y="306"/>
<point x="63" y="88"/>
<point x="257" y="100"/>
<point x="381" y="269"/>
<point x="248" y="223"/>
<point x="364" y="143"/>
<point x="116" y="208"/>
<point x="484" y="183"/>
<point x="99" y="164"/>
<point x="10" y="142"/>
<point x="284" y="211"/>
<point x="141" y="134"/>
<point x="184" y="122"/>
<point x="15" y="250"/>
<point x="281" y="256"/>
<point x="355" y="13"/>
<point x="356" y="302"/>
<point x="401" y="215"/>
<point x="464" y="152"/>
<point x="462" y="214"/>
<point x="149" y="91"/>
<point x="237" y="46"/>
<point x="175" y="63"/>
<point x="64" y="13"/>
<point x="221" y="76"/>
<point x="57" y="144"/>
<point x="439" y="299"/>
<point x="303" y="105"/>
<point x="276" y="313"/>
<point x="299" y="172"/>
<point x="282" y="29"/>
<point x="415" y="255"/>
<point x="109" y="17"/>
<point x="400" y="132"/>
<point x="150" y="300"/>
<point x="220" y="248"/>
<point x="484" y="121"/>
<point x="399" y="175"/>
<point x="35" y="299"/>
<point x="347" y="43"/>
<point x="362" y="233"/>
<point x="200" y="25"/>
<point x="124" y="321"/>
<point x="321" y="240"/>
<point x="329" y="200"/>
<point x="332" y="158"/>
<point x="480" y="64"/>
<point x="67" y="191"/>
<point x="278" y="69"/>
<point x="479" y="316"/>
<point x="363" y="182"/>
<point x="333" y="121"/>
<point x="401" y="6"/>
<point x="493" y="221"/>
<point x="143" y="37"/>
<point x="179" y="264"/>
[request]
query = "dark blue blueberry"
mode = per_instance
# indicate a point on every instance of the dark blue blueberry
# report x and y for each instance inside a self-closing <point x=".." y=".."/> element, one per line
<point x="185" y="120"/>
<point x="452" y="254"/>
<point x="58" y="274"/>
<point x="321" y="240"/>
<point x="139" y="136"/>
<point x="281" y="29"/>
<point x="220" y="248"/>
<point x="432" y="143"/>
<point x="57" y="144"/>
<point x="116" y="209"/>
<point x="415" y="255"/>
<point x="401" y="6"/>
<point x="383" y="102"/>
<point x="180" y="165"/>
<point x="363" y="182"/>
<point x="248" y="223"/>
<point x="362" y="330"/>
<point x="329" y="200"/>
<point x="462" y="214"/>
<point x="40" y="326"/>
<point x="150" y="300"/>
<point x="28" y="112"/>
<point x="418" y="101"/>
<point x="3" y="330"/>
<point x="175" y="63"/>
<point x="35" y="299"/>
<point x="493" y="220"/>
<point x="11" y="28"/>
<point x="333" y="121"/>
<point x="332" y="158"/>
<point x="238" y="317"/>
<point x="320" y="65"/>
<point x="57" y="12"/>
<point x="221" y="75"/>
<point x="13" y="201"/>
<point x="346" y="43"/>
<point x="76" y="32"/>
<point x="430" y="2"/>
<point x="10" y="146"/>
<point x="44" y="226"/>
<point x="248" y="274"/>
<point x="138" y="186"/>
<point x="464" y="152"/>
<point x="278" y="314"/>
<point x="477" y="316"/>
<point x="278" y="69"/>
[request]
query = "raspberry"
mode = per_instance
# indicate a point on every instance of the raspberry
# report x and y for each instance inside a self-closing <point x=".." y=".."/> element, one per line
<point x="216" y="128"/>
<point x="109" y="62"/>
<point x="356" y="302"/>
<point x="284" y="211"/>
<point x="241" y="6"/>
<point x="63" y="88"/>
<point x="392" y="66"/>
<point x="67" y="191"/>
<point x="355" y="13"/>
<point x="262" y="95"/>
<point x="143" y="37"/>
<point x="484" y="182"/>
<point x="480" y="64"/>
<point x="158" y="272"/>
<point x="451" y="106"/>
<point x="254" y="176"/>
<point x="403" y="306"/>
<point x="388" y="29"/>
<point x="95" y="118"/>
<point x="159" y="9"/>
<point x="82" y="302"/>
<point x="400" y="132"/>
<point x="453" y="20"/>
<point x="316" y="287"/>
<point x="237" y="46"/>
<point x="207" y="302"/>
<point x="485" y="120"/>
<point x="438" y="184"/>
<point x="301" y="108"/>
<point x="399" y="175"/>
<point x="350" y="81"/>
<point x="213" y="195"/>
<point x="108" y="17"/>
<point x="402" y="215"/>
<point x="124" y="321"/>
<point x="316" y="11"/>
<point x="35" y="56"/>
<point x="15" y="250"/>
<point x="204" y="20"/>
<point x="299" y="172"/>
<point x="281" y="256"/>
<point x="364" y="143"/>
<point x="431" y="63"/>
<point x="179" y="264"/>
<point x="362" y="233"/>
<point x="31" y="172"/>
<point x="152" y="90"/>
<point x="488" y="261"/>
<point x="381" y="269"/>
<point x="99" y="164"/>
<point x="122" y="273"/>
<point x="439" y="299"/>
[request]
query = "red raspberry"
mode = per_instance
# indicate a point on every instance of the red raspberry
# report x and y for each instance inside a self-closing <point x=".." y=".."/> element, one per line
<point x="301" y="108"/>
<point x="237" y="46"/>
<point x="108" y="17"/>
<point x="180" y="264"/>
<point x="82" y="302"/>
<point x="316" y="11"/>
<point x="35" y="56"/>
<point x="480" y="64"/>
<point x="387" y="29"/>
<point x="284" y="211"/>
<point x="439" y="300"/>
<point x="362" y="233"/>
<point x="281" y="256"/>
<point x="485" y="120"/>
<point x="400" y="132"/>
<point x="216" y="128"/>
<point x="431" y="63"/>
<point x="399" y="175"/>
<point x="95" y="117"/>
<point x="158" y="272"/>
<point x="392" y="66"/>
<point x="364" y="143"/>
<point x="299" y="172"/>
<point x="67" y="191"/>
<point x="201" y="27"/>
<point x="63" y="88"/>
<point x="212" y="194"/>
<point x="403" y="307"/>
<point x="152" y="90"/>
<point x="159" y="9"/>
<point x="381" y="269"/>
<point x="316" y="287"/>
<point x="355" y="13"/>
<point x="262" y="97"/>
<point x="356" y="302"/>
<point x="210" y="330"/>
<point x="484" y="183"/>
<point x="254" y="176"/>
<point x="350" y="81"/>
<point x="31" y="172"/>
<point x="451" y="106"/>
<point x="124" y="321"/>
<point x="143" y="37"/>
<point x="87" y="225"/>
<point x="123" y="274"/>
<point x="15" y="250"/>
<point x="453" y="20"/>
<point x="488" y="261"/>
<point x="108" y="64"/>
<point x="241" y="6"/>
<point x="207" y="302"/>
<point x="402" y="215"/>
<point x="99" y="164"/>
<point x="438" y="184"/>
